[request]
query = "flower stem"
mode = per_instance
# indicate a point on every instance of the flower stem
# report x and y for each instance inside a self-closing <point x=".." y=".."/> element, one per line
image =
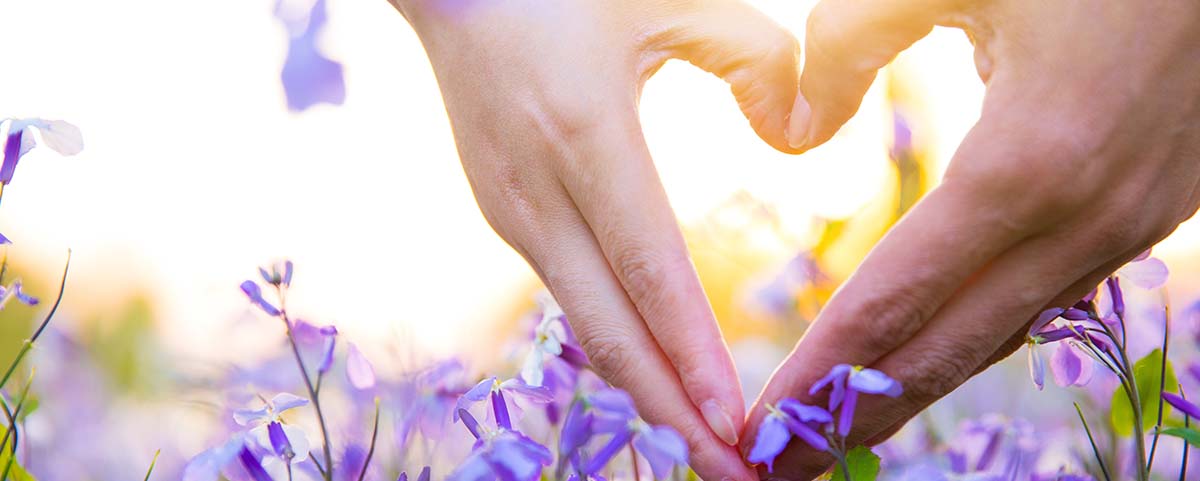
<point x="152" y="463"/>
<point x="312" y="393"/>
<point x="41" y="328"/>
<point x="371" y="452"/>
<point x="633" y="460"/>
<point x="1095" y="449"/>
<point x="1162" y="381"/>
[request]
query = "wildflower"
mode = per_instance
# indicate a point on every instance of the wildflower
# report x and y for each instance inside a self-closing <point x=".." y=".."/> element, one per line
<point x="279" y="275"/>
<point x="308" y="336"/>
<point x="359" y="370"/>
<point x="790" y="417"/>
<point x="611" y="412"/>
<point x="14" y="290"/>
<point x="494" y="389"/>
<point x="60" y="136"/>
<point x="288" y="442"/>
<point x="309" y="78"/>
<point x="424" y="476"/>
<point x="994" y="445"/>
<point x="847" y="382"/>
<point x="253" y="466"/>
<point x="425" y="402"/>
<point x="254" y="292"/>
<point x="500" y="454"/>
<point x="549" y="337"/>
<point x="207" y="465"/>
<point x="1187" y="407"/>
<point x="1144" y="271"/>
<point x="1070" y="363"/>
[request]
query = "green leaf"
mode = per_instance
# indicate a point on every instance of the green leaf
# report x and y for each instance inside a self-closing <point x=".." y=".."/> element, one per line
<point x="864" y="466"/>
<point x="15" y="471"/>
<point x="1190" y="435"/>
<point x="1147" y="375"/>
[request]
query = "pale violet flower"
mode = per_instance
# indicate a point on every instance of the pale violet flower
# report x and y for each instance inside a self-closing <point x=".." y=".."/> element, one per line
<point x="549" y="336"/>
<point x="268" y="416"/>
<point x="359" y="371"/>
<point x="60" y="136"/>
<point x="1144" y="271"/>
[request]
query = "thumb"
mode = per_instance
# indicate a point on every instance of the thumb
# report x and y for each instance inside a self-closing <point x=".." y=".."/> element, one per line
<point x="756" y="56"/>
<point x="846" y="43"/>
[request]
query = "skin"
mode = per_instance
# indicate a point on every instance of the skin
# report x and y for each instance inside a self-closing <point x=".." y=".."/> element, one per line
<point x="1084" y="156"/>
<point x="543" y="100"/>
<point x="1087" y="153"/>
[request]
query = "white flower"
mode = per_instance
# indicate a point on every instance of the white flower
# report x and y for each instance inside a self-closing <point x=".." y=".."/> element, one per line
<point x="59" y="135"/>
<point x="549" y="335"/>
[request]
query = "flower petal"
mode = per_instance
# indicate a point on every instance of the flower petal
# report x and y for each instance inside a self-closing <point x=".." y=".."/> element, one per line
<point x="1146" y="274"/>
<point x="1037" y="367"/>
<point x="772" y="437"/>
<point x="663" y="448"/>
<point x="61" y="136"/>
<point x="284" y="401"/>
<point x="1069" y="367"/>
<point x="873" y="381"/>
<point x="1182" y="404"/>
<point x="359" y="370"/>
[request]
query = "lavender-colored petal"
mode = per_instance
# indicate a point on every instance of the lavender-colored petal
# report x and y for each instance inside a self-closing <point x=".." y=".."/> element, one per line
<point x="12" y="154"/>
<point x="207" y="465"/>
<point x="279" y="441"/>
<point x="1058" y="334"/>
<point x="403" y="476"/>
<point x="1146" y="274"/>
<point x="613" y="410"/>
<point x="873" y="381"/>
<point x="470" y="422"/>
<point x="358" y="369"/>
<point x="1118" y="299"/>
<point x="1075" y="314"/>
<point x="1069" y="367"/>
<point x="606" y="453"/>
<point x="266" y="276"/>
<point x="22" y="296"/>
<point x="1044" y="319"/>
<point x="574" y="356"/>
<point x="807" y="434"/>
<point x="836" y="378"/>
<point x="663" y="448"/>
<point x="60" y="136"/>
<point x="1182" y="404"/>
<point x="474" y="395"/>
<point x="246" y="416"/>
<point x="772" y="437"/>
<point x="501" y="410"/>
<point x="536" y="394"/>
<point x="287" y="273"/>
<point x="253" y="466"/>
<point x="1037" y="367"/>
<point x="284" y="401"/>
<point x="474" y="468"/>
<point x="327" y="349"/>
<point x="4" y="240"/>
<point x="846" y="416"/>
<point x="310" y="78"/>
<point x="576" y="429"/>
<point x="804" y="412"/>
<point x="518" y="458"/>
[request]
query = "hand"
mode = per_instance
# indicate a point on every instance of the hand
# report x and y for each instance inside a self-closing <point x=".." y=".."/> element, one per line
<point x="543" y="100"/>
<point x="1087" y="153"/>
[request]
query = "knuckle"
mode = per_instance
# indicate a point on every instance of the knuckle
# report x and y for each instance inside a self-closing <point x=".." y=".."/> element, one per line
<point x="884" y="320"/>
<point x="936" y="373"/>
<point x="645" y="274"/>
<point x="607" y="353"/>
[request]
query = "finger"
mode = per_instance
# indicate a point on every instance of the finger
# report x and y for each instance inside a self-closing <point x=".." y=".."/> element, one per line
<point x="616" y="188"/>
<point x="846" y="43"/>
<point x="929" y="255"/>
<point x="978" y="321"/>
<point x="758" y="57"/>
<point x="620" y="346"/>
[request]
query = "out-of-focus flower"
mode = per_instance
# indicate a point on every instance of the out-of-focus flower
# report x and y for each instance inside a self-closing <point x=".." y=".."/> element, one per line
<point x="847" y="382"/>
<point x="253" y="466"/>
<point x="426" y="401"/>
<point x="14" y="290"/>
<point x="359" y="371"/>
<point x="549" y="337"/>
<point x="309" y="77"/>
<point x="1144" y="271"/>
<point x="254" y="292"/>
<point x="59" y="135"/>
<point x="309" y="336"/>
<point x="790" y="417"/>
<point x="610" y="412"/>
<point x="280" y="273"/>
<point x="1187" y="407"/>
<point x="270" y="433"/>
<point x="207" y="465"/>
<point x="500" y="454"/>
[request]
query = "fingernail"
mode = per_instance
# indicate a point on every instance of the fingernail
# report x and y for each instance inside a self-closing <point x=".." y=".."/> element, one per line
<point x="720" y="421"/>
<point x="797" y="130"/>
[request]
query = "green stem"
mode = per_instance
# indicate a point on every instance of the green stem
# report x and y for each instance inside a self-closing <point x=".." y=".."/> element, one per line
<point x="1095" y="449"/>
<point x="371" y="452"/>
<point x="152" y="462"/>
<point x="41" y="328"/>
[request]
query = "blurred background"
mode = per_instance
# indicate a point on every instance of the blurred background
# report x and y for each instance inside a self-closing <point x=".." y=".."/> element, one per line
<point x="195" y="172"/>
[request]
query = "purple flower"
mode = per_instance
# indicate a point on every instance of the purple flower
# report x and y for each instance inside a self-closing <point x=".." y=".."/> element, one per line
<point x="309" y="78"/>
<point x="611" y="412"/>
<point x="790" y="417"/>
<point x="1070" y="363"/>
<point x="1182" y="404"/>
<point x="501" y="454"/>
<point x="518" y="393"/>
<point x="60" y="136"/>
<point x="14" y="290"/>
<point x="424" y="476"/>
<point x="847" y="382"/>
<point x="271" y="433"/>
<point x="280" y="273"/>
<point x="359" y="371"/>
<point x="253" y="466"/>
<point x="279" y="441"/>
<point x="254" y="292"/>
<point x="1070" y="367"/>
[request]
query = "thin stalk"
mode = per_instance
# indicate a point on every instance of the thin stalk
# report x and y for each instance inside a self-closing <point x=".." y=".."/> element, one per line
<point x="371" y="451"/>
<point x="12" y="421"/>
<point x="841" y="459"/>
<point x="1139" y="433"/>
<point x="312" y="393"/>
<point x="10" y="432"/>
<point x="152" y="462"/>
<point x="1162" y="381"/>
<point x="1095" y="449"/>
<point x="38" y="333"/>
<point x="633" y="460"/>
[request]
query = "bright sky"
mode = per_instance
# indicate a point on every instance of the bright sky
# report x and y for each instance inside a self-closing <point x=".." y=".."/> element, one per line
<point x="194" y="172"/>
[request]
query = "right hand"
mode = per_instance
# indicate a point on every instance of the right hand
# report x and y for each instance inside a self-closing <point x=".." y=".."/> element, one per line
<point x="543" y="101"/>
